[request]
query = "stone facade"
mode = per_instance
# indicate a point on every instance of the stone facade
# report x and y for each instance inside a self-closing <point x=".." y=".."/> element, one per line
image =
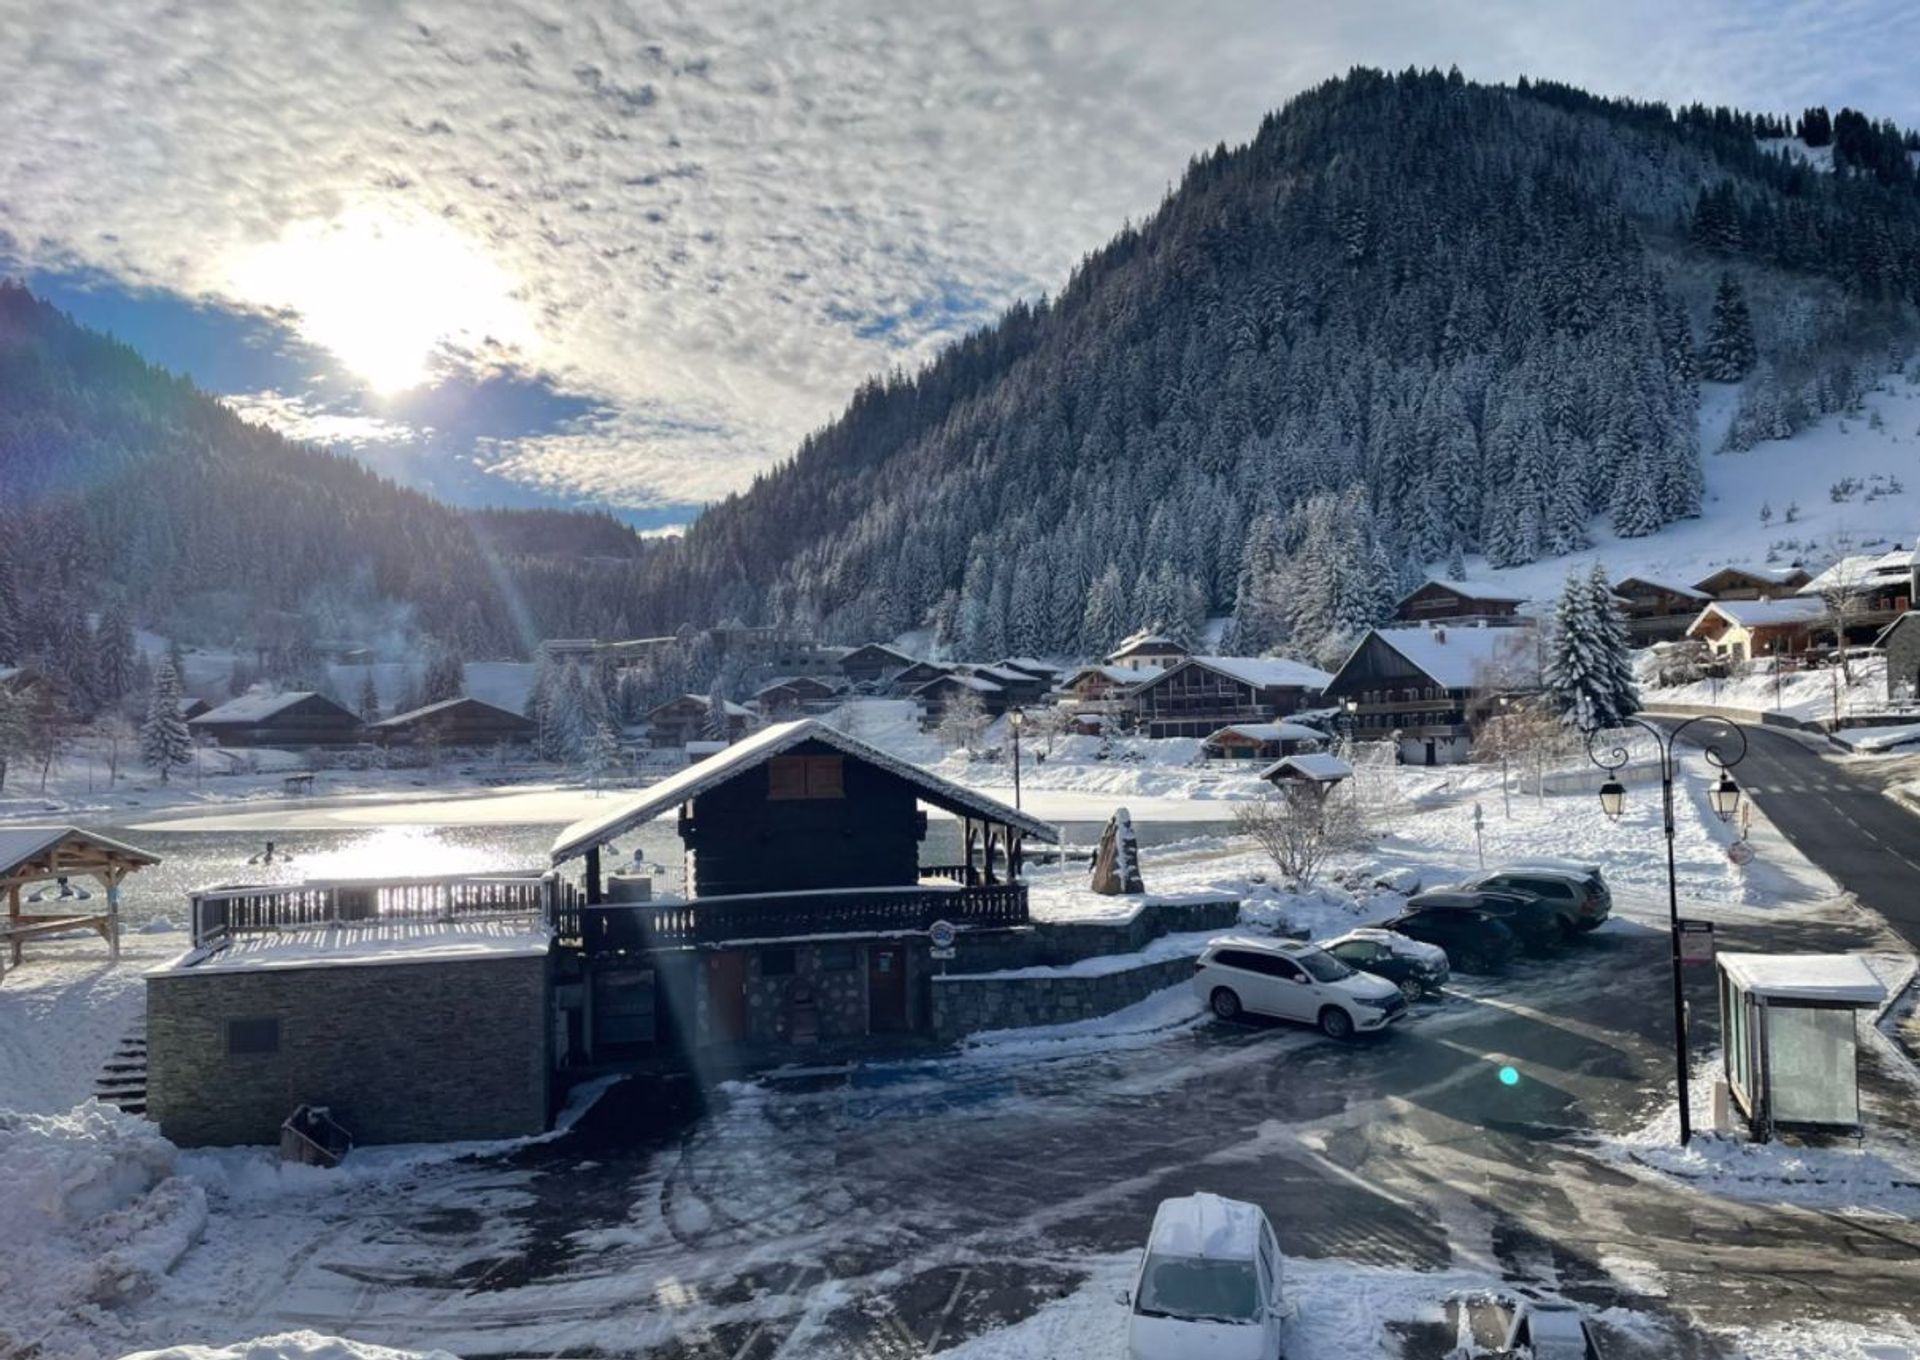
<point x="400" y="1052"/>
<point x="1902" y="642"/>
<point x="963" y="1005"/>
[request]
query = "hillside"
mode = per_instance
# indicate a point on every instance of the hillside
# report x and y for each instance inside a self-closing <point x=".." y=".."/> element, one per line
<point x="1414" y="321"/>
<point x="122" y="485"/>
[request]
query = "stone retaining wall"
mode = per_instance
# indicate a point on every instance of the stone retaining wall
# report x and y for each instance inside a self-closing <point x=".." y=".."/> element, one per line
<point x="965" y="1005"/>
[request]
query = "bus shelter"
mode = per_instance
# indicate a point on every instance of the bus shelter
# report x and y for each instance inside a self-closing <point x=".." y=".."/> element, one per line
<point x="1788" y="1021"/>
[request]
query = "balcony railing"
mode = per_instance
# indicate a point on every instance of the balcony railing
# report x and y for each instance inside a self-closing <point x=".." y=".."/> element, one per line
<point x="221" y="913"/>
<point x="616" y="927"/>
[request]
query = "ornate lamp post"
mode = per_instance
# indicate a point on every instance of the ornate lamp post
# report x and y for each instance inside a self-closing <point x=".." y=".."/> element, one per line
<point x="1725" y="800"/>
<point x="1016" y="719"/>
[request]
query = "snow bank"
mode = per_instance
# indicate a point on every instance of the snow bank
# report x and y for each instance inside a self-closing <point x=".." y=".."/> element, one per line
<point x="94" y="1216"/>
<point x="290" y="1346"/>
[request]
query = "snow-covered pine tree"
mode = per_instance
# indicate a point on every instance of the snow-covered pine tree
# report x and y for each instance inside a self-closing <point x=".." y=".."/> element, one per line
<point x="10" y="640"/>
<point x="1730" y="349"/>
<point x="1616" y="647"/>
<point x="602" y="753"/>
<point x="1585" y="656"/>
<point x="165" y="741"/>
<point x="716" y="725"/>
<point x="1104" y="621"/>
<point x="113" y="650"/>
<point x="369" y="707"/>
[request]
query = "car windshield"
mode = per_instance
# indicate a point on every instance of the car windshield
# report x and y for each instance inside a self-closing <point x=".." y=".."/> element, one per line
<point x="1199" y="1290"/>
<point x="1324" y="966"/>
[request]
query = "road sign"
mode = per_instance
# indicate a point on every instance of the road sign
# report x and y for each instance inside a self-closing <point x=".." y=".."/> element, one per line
<point x="1694" y="940"/>
<point x="1740" y="852"/>
<point x="942" y="934"/>
<point x="942" y="953"/>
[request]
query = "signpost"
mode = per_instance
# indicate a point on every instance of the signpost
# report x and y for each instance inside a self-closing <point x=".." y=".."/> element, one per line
<point x="942" y="935"/>
<point x="1694" y="941"/>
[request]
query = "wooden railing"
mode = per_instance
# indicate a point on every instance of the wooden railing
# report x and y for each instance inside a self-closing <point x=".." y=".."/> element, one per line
<point x="619" y="927"/>
<point x="223" y="912"/>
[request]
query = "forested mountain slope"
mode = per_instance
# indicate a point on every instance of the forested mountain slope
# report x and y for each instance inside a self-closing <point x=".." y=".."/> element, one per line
<point x="123" y="485"/>
<point x="1413" y="319"/>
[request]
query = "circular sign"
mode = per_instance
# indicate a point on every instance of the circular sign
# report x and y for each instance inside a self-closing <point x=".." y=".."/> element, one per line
<point x="942" y="934"/>
<point x="1740" y="852"/>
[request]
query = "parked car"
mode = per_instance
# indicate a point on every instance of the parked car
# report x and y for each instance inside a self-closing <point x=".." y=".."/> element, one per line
<point x="1527" y="917"/>
<point x="1209" y="1284"/>
<point x="1414" y="966"/>
<point x="1564" y="902"/>
<point x="1291" y="980"/>
<point x="1476" y="941"/>
<point x="1551" y="1330"/>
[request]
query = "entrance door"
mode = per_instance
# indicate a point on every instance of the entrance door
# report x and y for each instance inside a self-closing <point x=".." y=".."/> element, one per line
<point x="886" y="988"/>
<point x="1433" y="757"/>
<point x="727" y="997"/>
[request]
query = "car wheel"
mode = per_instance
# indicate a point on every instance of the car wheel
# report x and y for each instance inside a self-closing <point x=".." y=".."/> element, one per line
<point x="1225" y="1003"/>
<point x="1335" y="1023"/>
<point x="1411" y="989"/>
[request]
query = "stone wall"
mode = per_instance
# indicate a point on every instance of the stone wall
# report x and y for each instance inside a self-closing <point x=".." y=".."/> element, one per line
<point x="963" y="1005"/>
<point x="413" y="1052"/>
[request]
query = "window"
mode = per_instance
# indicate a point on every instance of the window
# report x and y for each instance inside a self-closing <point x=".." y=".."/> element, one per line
<point x="776" y="963"/>
<point x="253" y="1036"/>
<point x="1198" y="1289"/>
<point x="796" y="777"/>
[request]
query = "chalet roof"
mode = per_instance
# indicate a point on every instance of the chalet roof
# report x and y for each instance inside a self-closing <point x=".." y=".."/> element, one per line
<point x="1120" y="675"/>
<point x="1271" y="731"/>
<point x="1670" y="587"/>
<point x="1316" y="769"/>
<point x="761" y="747"/>
<point x="24" y="845"/>
<point x="1778" y="576"/>
<point x="1763" y="613"/>
<point x="414" y="715"/>
<point x="1456" y="658"/>
<point x="1032" y="665"/>
<point x="1261" y="672"/>
<point x="253" y="708"/>
<point x="1473" y="590"/>
<point x="1862" y="571"/>
<point x="795" y="682"/>
<point x="1006" y="675"/>
<point x="733" y="710"/>
<point x="973" y="682"/>
<point x="881" y="647"/>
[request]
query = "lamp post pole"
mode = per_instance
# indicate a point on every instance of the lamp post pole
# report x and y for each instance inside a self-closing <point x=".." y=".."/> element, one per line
<point x="1506" y="799"/>
<point x="1725" y="798"/>
<point x="1014" y="720"/>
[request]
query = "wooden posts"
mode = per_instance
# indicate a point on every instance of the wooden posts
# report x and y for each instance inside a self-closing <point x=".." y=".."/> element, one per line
<point x="594" y="890"/>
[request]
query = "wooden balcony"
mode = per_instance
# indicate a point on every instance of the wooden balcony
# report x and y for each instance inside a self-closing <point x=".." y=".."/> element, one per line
<point x="221" y="913"/>
<point x="623" y="927"/>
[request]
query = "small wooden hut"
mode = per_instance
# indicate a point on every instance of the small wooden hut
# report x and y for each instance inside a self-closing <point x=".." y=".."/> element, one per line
<point x="50" y="857"/>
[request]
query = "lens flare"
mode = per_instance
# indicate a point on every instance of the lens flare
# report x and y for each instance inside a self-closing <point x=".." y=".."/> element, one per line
<point x="1509" y="1076"/>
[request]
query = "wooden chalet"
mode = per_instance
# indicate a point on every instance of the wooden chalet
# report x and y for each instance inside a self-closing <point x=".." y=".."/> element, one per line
<point x="904" y="683"/>
<point x="873" y="663"/>
<point x="936" y="694"/>
<point x="684" y="719"/>
<point x="1743" y="630"/>
<point x="1878" y="588"/>
<point x="192" y="707"/>
<point x="795" y="696"/>
<point x="453" y="722"/>
<point x="1147" y="648"/>
<point x="1438" y="599"/>
<point x="1021" y="687"/>
<point x="47" y="859"/>
<point x="296" y="719"/>
<point x="1657" y="611"/>
<point x="807" y="908"/>
<point x="1199" y="695"/>
<point x="1753" y="583"/>
<point x="1425" y="689"/>
<point x="1103" y="685"/>
<point x="1314" y="770"/>
<point x="1267" y="741"/>
<point x="1044" y="671"/>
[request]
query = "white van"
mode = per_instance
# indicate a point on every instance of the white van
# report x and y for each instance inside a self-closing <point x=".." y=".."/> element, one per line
<point x="1209" y="1284"/>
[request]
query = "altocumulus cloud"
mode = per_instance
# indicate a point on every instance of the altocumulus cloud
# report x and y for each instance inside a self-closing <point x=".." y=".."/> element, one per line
<point x="712" y="219"/>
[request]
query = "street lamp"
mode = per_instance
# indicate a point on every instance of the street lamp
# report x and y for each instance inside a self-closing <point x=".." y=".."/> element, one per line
<point x="1506" y="799"/>
<point x="1016" y="719"/>
<point x="1725" y="801"/>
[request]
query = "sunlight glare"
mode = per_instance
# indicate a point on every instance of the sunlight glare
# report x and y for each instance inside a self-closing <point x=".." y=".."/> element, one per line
<point x="383" y="293"/>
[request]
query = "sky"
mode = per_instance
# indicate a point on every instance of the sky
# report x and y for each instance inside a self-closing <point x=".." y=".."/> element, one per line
<point x="565" y="251"/>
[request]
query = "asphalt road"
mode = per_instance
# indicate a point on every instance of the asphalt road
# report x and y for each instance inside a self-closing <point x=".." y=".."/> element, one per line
<point x="1840" y="820"/>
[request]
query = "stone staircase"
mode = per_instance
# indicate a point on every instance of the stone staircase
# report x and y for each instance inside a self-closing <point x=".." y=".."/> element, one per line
<point x="123" y="1078"/>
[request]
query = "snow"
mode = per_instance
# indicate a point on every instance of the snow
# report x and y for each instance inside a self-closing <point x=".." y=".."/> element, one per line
<point x="1769" y="613"/>
<point x="1404" y="946"/>
<point x="1456" y="657"/>
<point x="21" y="843"/>
<point x="61" y="1016"/>
<point x="1859" y="571"/>
<point x="1320" y="768"/>
<point x="357" y="945"/>
<point x="1145" y="1021"/>
<point x="1808" y="694"/>
<point x="1876" y="739"/>
<point x="1273" y="731"/>
<point x="1264" y="671"/>
<point x="1207" y="1226"/>
<point x="291" y="1346"/>
<point x="1472" y="589"/>
<point x="1792" y="148"/>
<point x="1806" y="977"/>
<point x="1185" y="944"/>
<point x="253" y="707"/>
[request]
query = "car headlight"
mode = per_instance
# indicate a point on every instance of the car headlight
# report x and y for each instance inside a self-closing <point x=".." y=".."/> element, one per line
<point x="1378" y="1003"/>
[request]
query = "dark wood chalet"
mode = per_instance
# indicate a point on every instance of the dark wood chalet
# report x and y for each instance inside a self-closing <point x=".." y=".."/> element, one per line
<point x="791" y="698"/>
<point x="679" y="721"/>
<point x="920" y="673"/>
<point x="1267" y="741"/>
<point x="807" y="908"/>
<point x="1202" y="694"/>
<point x="1437" y="599"/>
<point x="453" y="722"/>
<point x="936" y="694"/>
<point x="1658" y="611"/>
<point x="1021" y="687"/>
<point x="1426" y="689"/>
<point x="1147" y="648"/>
<point x="295" y="719"/>
<point x="1753" y="583"/>
<point x="874" y="662"/>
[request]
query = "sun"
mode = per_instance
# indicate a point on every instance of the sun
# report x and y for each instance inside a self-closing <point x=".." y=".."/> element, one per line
<point x="384" y="292"/>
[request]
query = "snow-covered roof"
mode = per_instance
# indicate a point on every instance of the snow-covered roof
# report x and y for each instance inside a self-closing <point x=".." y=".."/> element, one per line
<point x="1460" y="658"/>
<point x="1764" y="613"/>
<point x="337" y="945"/>
<point x="882" y="647"/>
<point x="1476" y="590"/>
<point x="1272" y="731"/>
<point x="761" y="747"/>
<point x="1262" y="671"/>
<point x="972" y="682"/>
<point x="1029" y="663"/>
<point x="1806" y="977"/>
<point x="1009" y="675"/>
<point x="733" y="710"/>
<point x="252" y="707"/>
<point x="1119" y="675"/>
<point x="1863" y="571"/>
<point x="21" y="844"/>
<point x="1776" y="575"/>
<point x="1658" y="584"/>
<point x="1205" y="1225"/>
<point x="428" y="710"/>
<point x="1318" y="768"/>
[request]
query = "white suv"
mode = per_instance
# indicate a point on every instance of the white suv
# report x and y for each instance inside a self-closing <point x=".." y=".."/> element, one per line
<point x="1293" y="981"/>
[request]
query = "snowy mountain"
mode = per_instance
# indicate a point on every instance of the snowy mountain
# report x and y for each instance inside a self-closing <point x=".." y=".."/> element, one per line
<point x="1414" y="322"/>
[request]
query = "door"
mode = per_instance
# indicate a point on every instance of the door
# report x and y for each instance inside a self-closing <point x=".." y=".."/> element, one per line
<point x="1293" y="995"/>
<point x="1432" y="755"/>
<point x="726" y="997"/>
<point x="886" y="988"/>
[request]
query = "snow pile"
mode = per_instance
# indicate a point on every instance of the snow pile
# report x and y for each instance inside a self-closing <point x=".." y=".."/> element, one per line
<point x="94" y="1215"/>
<point x="1809" y="695"/>
<point x="290" y="1346"/>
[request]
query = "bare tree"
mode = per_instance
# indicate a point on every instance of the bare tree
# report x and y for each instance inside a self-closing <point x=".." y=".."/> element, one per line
<point x="1843" y="590"/>
<point x="962" y="720"/>
<point x="1292" y="826"/>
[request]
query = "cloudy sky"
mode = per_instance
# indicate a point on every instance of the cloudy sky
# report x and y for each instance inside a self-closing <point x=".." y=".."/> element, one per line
<point x="629" y="254"/>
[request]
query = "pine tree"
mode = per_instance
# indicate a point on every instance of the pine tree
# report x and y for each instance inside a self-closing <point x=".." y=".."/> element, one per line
<point x="602" y="752"/>
<point x="165" y="741"/>
<point x="1588" y="676"/>
<point x="717" y="726"/>
<point x="369" y="707"/>
<point x="10" y="621"/>
<point x="1730" y="349"/>
<point x="1103" y="623"/>
<point x="113" y="650"/>
<point x="1616" y="644"/>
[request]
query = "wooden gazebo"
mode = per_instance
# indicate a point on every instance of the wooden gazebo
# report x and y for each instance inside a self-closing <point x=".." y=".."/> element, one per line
<point x="54" y="855"/>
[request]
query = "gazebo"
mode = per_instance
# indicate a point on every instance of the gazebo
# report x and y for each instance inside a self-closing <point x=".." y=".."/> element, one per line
<point x="1791" y="1047"/>
<point x="50" y="857"/>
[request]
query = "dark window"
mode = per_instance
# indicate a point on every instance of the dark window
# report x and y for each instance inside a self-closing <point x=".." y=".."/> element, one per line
<point x="254" y="1035"/>
<point x="776" y="963"/>
<point x="837" y="958"/>
<point x="1238" y="958"/>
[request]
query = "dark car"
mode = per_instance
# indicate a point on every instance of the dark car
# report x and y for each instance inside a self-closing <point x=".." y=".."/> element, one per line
<point x="1475" y="940"/>
<point x="1572" y="901"/>
<point x="1533" y="924"/>
<point x="1416" y="967"/>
